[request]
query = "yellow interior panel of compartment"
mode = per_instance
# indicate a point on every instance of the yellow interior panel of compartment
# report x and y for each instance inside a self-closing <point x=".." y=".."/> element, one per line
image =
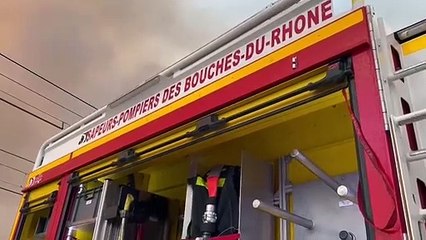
<point x="31" y="222"/>
<point x="43" y="192"/>
<point x="321" y="129"/>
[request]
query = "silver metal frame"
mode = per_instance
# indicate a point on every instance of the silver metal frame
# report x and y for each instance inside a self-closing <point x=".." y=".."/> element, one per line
<point x="393" y="91"/>
<point x="408" y="71"/>
<point x="283" y="193"/>
<point x="256" y="183"/>
<point x="100" y="223"/>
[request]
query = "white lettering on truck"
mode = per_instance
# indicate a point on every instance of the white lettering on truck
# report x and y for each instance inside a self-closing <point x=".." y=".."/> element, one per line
<point x="257" y="48"/>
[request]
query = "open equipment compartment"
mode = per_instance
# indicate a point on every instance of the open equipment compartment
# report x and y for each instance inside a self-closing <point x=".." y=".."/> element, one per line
<point x="290" y="144"/>
<point x="308" y="113"/>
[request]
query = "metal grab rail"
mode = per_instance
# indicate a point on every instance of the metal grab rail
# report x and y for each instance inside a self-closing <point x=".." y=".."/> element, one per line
<point x="277" y="212"/>
<point x="341" y="190"/>
<point x="408" y="71"/>
<point x="416" y="155"/>
<point x="410" y="117"/>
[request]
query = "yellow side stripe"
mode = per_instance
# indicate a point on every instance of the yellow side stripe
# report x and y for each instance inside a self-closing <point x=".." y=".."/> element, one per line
<point x="305" y="42"/>
<point x="49" y="166"/>
<point x="414" y="45"/>
<point x="17" y="217"/>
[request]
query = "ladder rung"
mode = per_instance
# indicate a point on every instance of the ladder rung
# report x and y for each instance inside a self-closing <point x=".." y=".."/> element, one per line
<point x="408" y="71"/>
<point x="417" y="155"/>
<point x="410" y="117"/>
<point x="423" y="213"/>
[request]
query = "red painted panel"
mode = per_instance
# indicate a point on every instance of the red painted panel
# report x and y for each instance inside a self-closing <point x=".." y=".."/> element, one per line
<point x="228" y="237"/>
<point x="281" y="71"/>
<point x="55" y="218"/>
<point x="372" y="125"/>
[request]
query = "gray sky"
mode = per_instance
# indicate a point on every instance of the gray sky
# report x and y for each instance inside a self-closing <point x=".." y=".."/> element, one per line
<point x="100" y="49"/>
<point x="97" y="50"/>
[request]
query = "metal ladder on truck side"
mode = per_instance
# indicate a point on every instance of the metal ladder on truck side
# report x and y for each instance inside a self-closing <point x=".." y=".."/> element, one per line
<point x="397" y="96"/>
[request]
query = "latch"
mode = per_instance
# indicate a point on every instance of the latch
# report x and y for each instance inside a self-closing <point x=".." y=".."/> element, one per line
<point x="127" y="156"/>
<point x="207" y="124"/>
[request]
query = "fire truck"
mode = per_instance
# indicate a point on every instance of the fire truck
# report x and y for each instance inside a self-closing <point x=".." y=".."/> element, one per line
<point x="302" y="123"/>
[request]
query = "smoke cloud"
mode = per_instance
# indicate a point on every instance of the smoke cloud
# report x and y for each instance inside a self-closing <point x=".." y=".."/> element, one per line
<point x="97" y="50"/>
